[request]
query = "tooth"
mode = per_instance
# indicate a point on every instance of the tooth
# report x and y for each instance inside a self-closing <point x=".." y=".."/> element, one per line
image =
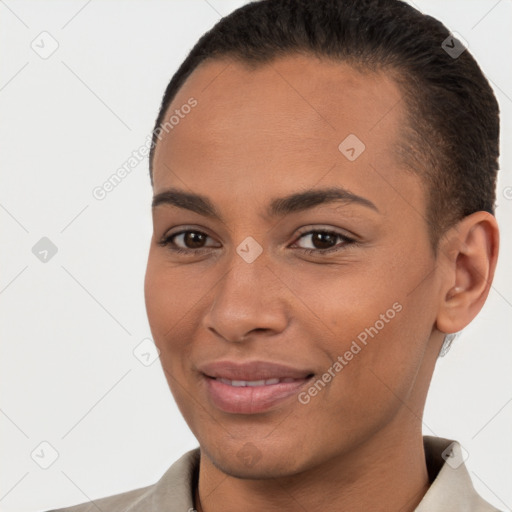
<point x="256" y="383"/>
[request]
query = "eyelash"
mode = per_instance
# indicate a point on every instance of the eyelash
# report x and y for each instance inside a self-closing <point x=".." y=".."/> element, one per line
<point x="167" y="241"/>
<point x="346" y="241"/>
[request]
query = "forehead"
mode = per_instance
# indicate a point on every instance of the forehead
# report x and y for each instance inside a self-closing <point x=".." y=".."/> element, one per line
<point x="283" y="119"/>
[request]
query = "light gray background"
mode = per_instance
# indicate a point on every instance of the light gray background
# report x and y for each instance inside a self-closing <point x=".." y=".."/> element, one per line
<point x="70" y="325"/>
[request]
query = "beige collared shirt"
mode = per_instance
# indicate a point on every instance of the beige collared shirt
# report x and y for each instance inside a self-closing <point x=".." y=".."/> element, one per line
<point x="451" y="489"/>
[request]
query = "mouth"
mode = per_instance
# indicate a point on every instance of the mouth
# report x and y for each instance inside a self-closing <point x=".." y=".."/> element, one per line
<point x="254" y="383"/>
<point x="252" y="388"/>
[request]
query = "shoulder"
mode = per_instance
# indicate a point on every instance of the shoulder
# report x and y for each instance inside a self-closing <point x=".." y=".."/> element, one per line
<point x="116" y="503"/>
<point x="174" y="487"/>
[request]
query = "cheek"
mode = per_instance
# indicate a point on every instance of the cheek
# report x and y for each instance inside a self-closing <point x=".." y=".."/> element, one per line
<point x="169" y="307"/>
<point x="169" y="302"/>
<point x="383" y="374"/>
<point x="369" y="317"/>
<point x="344" y="300"/>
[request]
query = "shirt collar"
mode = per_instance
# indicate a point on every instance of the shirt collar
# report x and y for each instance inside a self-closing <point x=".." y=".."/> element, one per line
<point x="451" y="489"/>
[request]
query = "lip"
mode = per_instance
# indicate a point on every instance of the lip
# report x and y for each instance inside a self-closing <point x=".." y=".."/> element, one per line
<point x="251" y="399"/>
<point x="252" y="370"/>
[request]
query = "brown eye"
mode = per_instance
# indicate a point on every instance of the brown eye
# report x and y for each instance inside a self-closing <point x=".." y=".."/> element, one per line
<point x="194" y="239"/>
<point x="321" y="241"/>
<point x="188" y="240"/>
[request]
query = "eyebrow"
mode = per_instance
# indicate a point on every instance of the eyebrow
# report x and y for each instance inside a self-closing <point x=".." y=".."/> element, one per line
<point x="278" y="207"/>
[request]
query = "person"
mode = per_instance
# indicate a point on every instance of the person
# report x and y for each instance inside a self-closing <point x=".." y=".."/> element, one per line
<point x="324" y="179"/>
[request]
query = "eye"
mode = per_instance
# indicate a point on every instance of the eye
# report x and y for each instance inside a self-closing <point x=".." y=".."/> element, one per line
<point x="323" y="241"/>
<point x="187" y="241"/>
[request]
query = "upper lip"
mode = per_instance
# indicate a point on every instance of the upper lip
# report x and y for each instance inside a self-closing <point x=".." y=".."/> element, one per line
<point x="252" y="370"/>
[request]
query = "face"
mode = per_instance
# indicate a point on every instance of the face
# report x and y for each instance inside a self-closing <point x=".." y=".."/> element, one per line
<point x="290" y="287"/>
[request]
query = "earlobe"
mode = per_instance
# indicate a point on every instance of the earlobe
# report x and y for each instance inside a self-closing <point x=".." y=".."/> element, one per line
<point x="471" y="252"/>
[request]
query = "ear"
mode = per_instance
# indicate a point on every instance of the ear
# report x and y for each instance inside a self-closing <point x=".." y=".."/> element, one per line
<point x="468" y="253"/>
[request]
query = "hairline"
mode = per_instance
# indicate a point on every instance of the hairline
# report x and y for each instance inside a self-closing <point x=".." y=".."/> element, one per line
<point x="411" y="153"/>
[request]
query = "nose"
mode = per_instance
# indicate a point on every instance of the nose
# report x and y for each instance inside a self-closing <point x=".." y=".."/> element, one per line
<point x="249" y="299"/>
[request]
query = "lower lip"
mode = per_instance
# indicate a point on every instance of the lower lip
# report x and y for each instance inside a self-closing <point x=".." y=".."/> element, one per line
<point x="251" y="399"/>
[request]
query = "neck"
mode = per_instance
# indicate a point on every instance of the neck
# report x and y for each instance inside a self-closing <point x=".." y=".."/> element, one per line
<point x="387" y="472"/>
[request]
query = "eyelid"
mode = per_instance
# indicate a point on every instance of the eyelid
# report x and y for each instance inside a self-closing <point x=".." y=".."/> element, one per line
<point x="346" y="240"/>
<point x="315" y="229"/>
<point x="170" y="234"/>
<point x="179" y="233"/>
<point x="307" y="230"/>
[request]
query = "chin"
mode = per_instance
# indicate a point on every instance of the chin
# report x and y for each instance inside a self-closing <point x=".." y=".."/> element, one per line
<point x="249" y="462"/>
<point x="261" y="471"/>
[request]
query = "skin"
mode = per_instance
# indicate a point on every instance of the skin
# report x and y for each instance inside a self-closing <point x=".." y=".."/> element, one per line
<point x="257" y="134"/>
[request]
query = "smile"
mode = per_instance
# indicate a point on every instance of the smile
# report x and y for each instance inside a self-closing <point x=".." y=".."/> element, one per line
<point x="254" y="383"/>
